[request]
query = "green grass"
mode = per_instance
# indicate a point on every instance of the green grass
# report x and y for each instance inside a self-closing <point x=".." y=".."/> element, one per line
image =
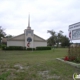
<point x="35" y="65"/>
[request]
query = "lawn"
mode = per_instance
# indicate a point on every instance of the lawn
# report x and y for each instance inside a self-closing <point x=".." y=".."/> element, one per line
<point x="35" y="65"/>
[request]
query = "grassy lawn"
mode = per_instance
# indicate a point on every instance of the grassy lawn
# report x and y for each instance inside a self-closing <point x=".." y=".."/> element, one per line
<point x="35" y="65"/>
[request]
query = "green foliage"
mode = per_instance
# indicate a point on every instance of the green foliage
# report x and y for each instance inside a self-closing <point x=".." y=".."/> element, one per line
<point x="29" y="49"/>
<point x="9" y="36"/>
<point x="2" y="33"/>
<point x="2" y="46"/>
<point x="4" y="75"/>
<point x="24" y="48"/>
<point x="57" y="38"/>
<point x="74" y="53"/>
<point x="65" y="41"/>
<point x="43" y="48"/>
<point x="52" y="40"/>
<point x="13" y="48"/>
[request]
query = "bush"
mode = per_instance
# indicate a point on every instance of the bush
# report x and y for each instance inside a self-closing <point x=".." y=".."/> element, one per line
<point x="2" y="45"/>
<point x="13" y="48"/>
<point x="24" y="48"/>
<point x="29" y="49"/>
<point x="74" y="53"/>
<point x="43" y="48"/>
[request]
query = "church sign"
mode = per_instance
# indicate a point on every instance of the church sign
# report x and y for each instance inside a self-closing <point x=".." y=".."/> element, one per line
<point x="74" y="31"/>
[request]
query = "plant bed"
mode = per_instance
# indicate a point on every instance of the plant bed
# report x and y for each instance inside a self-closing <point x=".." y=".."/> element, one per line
<point x="72" y="59"/>
<point x="73" y="56"/>
<point x="69" y="62"/>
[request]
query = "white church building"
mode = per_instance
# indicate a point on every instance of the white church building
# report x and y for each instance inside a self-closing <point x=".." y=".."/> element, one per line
<point x="28" y="39"/>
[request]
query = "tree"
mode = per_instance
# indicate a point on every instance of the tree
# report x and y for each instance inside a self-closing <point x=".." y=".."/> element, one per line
<point x="57" y="38"/>
<point x="65" y="41"/>
<point x="52" y="40"/>
<point x="2" y="33"/>
<point x="9" y="36"/>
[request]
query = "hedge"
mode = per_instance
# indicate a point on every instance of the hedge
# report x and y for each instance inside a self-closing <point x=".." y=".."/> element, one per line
<point x="16" y="48"/>
<point x="43" y="48"/>
<point x="2" y="46"/>
<point x="29" y="49"/>
<point x="24" y="48"/>
<point x="13" y="48"/>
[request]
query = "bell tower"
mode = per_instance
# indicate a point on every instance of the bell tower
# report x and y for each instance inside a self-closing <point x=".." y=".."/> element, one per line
<point x="28" y="35"/>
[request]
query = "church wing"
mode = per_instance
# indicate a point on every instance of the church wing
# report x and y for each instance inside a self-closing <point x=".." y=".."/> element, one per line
<point x="37" y="38"/>
<point x="16" y="38"/>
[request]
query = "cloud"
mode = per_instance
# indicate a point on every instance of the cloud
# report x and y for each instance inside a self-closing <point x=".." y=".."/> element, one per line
<point x="44" y="15"/>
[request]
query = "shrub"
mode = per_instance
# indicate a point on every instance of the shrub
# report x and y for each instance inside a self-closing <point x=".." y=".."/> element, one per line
<point x="69" y="58"/>
<point x="29" y="49"/>
<point x="2" y="45"/>
<point x="4" y="75"/>
<point x="24" y="48"/>
<point x="43" y="48"/>
<point x="66" y="58"/>
<point x="14" y="48"/>
<point x="74" y="53"/>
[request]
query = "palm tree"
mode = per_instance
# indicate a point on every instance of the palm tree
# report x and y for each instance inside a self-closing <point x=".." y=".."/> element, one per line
<point x="59" y="36"/>
<point x="55" y="38"/>
<point x="52" y="40"/>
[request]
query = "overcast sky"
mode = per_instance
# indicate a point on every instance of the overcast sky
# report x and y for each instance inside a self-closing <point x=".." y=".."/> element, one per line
<point x="44" y="15"/>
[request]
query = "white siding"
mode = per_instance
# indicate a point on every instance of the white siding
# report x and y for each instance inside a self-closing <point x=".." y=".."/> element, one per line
<point x="37" y="44"/>
<point x="15" y="43"/>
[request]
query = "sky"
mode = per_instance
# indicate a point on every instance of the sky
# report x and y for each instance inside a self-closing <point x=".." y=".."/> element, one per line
<point x="44" y="15"/>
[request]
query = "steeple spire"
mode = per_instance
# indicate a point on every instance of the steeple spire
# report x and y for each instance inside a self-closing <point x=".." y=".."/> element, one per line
<point x="29" y="22"/>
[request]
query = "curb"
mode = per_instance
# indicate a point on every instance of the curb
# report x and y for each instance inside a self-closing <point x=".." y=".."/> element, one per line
<point x="71" y="63"/>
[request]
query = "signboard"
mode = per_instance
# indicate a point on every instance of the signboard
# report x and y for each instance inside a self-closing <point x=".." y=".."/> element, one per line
<point x="74" y="31"/>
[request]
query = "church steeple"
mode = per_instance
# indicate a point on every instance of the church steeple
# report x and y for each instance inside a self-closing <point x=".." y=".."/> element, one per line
<point x="29" y="22"/>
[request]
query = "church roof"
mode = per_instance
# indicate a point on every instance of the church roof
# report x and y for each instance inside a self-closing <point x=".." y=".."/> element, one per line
<point x="21" y="37"/>
<point x="16" y="37"/>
